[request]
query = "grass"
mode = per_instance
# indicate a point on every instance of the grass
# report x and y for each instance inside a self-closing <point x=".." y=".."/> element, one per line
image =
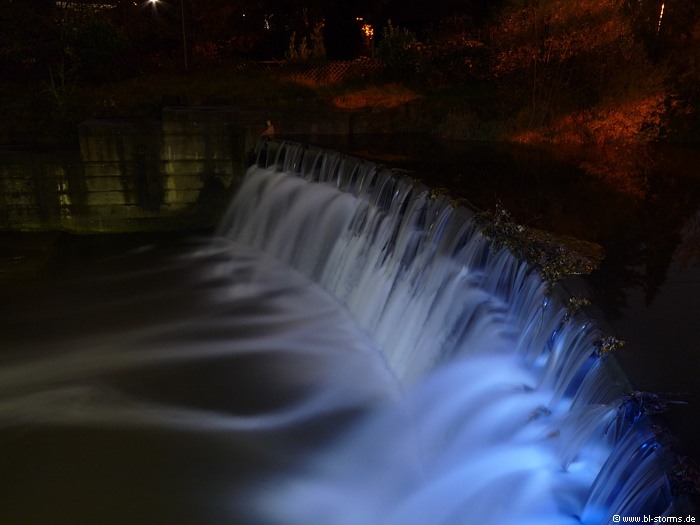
<point x="377" y="96"/>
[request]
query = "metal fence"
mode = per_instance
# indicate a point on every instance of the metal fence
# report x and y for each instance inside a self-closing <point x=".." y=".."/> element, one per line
<point x="326" y="73"/>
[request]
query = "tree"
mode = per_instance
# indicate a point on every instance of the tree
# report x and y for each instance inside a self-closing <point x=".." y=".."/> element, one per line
<point x="400" y="51"/>
<point x="28" y="37"/>
<point x="578" y="58"/>
<point x="420" y="16"/>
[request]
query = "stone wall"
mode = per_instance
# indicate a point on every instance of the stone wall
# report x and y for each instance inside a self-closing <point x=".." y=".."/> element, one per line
<point x="177" y="173"/>
<point x="36" y="189"/>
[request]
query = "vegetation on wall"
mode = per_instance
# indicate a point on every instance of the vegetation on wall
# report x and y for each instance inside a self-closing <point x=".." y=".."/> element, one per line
<point x="555" y="257"/>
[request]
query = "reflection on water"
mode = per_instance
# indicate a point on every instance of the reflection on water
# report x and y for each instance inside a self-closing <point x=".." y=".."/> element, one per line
<point x="661" y="328"/>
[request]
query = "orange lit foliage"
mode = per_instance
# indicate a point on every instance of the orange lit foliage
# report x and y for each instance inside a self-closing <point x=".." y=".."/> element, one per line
<point x="619" y="132"/>
<point x="386" y="96"/>
<point x="556" y="57"/>
<point x="554" y="31"/>
<point x="576" y="76"/>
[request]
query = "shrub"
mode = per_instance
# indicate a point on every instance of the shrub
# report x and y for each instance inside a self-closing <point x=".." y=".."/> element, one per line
<point x="401" y="52"/>
<point x="310" y="49"/>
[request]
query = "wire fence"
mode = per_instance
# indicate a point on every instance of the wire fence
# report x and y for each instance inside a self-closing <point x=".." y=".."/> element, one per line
<point x="318" y="74"/>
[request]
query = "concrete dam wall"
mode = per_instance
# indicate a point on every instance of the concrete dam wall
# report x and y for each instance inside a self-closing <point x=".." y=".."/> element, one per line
<point x="176" y="173"/>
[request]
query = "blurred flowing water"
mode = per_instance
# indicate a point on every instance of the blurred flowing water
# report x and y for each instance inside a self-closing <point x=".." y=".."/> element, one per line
<point x="347" y="349"/>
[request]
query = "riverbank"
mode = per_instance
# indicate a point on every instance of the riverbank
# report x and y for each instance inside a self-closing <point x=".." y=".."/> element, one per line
<point x="607" y="142"/>
<point x="43" y="113"/>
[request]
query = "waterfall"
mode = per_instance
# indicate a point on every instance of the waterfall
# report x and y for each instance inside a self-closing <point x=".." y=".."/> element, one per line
<point x="348" y="349"/>
<point x="513" y="415"/>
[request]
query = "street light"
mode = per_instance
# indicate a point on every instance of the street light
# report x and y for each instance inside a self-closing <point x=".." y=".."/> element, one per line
<point x="184" y="33"/>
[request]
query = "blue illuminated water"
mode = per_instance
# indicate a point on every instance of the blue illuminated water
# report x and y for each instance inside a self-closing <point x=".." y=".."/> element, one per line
<point x="348" y="349"/>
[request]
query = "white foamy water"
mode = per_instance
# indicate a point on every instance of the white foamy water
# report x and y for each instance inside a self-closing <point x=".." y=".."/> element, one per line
<point x="347" y="350"/>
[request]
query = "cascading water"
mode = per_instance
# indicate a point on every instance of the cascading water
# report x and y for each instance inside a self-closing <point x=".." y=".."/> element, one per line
<point x="349" y="349"/>
<point x="508" y="412"/>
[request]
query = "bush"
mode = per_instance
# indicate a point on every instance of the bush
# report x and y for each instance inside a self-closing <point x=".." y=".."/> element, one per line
<point x="457" y="59"/>
<point x="401" y="53"/>
<point x="303" y="51"/>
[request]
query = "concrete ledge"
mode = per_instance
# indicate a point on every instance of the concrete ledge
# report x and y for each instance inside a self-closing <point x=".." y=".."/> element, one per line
<point x="170" y="174"/>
